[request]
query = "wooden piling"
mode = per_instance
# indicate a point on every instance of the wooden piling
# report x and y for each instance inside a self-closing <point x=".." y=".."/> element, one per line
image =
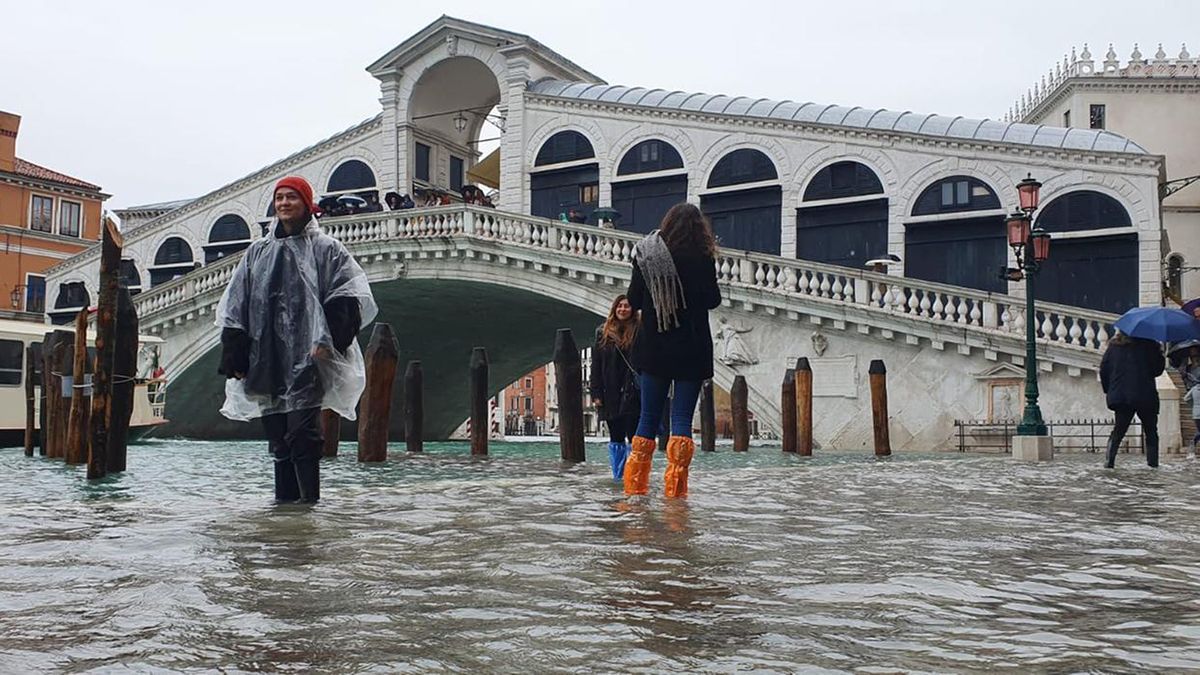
<point x="879" y="407"/>
<point x="787" y="410"/>
<point x="58" y="405"/>
<point x="414" y="407"/>
<point x="568" y="373"/>
<point x="739" y="396"/>
<point x="77" y="425"/>
<point x="331" y="432"/>
<point x="106" y="323"/>
<point x="44" y="355"/>
<point x="804" y="408"/>
<point x="124" y="370"/>
<point x="708" y="418"/>
<point x="375" y="406"/>
<point x="480" y="422"/>
<point x="30" y="409"/>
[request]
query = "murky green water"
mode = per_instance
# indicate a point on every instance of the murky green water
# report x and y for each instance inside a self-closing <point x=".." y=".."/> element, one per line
<point x="519" y="564"/>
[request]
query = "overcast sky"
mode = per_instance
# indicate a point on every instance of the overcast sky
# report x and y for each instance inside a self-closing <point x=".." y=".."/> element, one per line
<point x="163" y="100"/>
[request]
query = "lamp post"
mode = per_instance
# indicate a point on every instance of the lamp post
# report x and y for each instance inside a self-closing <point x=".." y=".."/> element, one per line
<point x="1032" y="248"/>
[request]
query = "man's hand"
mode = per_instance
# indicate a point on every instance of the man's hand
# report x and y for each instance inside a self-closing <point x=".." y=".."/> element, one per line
<point x="322" y="352"/>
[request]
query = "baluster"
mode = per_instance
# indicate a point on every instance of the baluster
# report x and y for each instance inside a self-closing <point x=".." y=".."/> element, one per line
<point x="789" y="279"/>
<point x="1089" y="335"/>
<point x="837" y="288"/>
<point x="960" y="310"/>
<point x="876" y="295"/>
<point x="925" y="304"/>
<point x="758" y="274"/>
<point x="848" y="290"/>
<point x="824" y="285"/>
<point x="938" y="307"/>
<point x="1061" y="331"/>
<point x="1076" y="333"/>
<point x="913" y="303"/>
<point x="1102" y="335"/>
<point x="1047" y="326"/>
<point x="725" y="268"/>
<point x="976" y="313"/>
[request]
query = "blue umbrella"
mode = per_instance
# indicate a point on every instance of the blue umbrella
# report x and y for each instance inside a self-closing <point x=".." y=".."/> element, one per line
<point x="1161" y="324"/>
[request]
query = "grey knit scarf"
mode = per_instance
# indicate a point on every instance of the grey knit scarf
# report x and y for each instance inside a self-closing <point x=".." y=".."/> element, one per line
<point x="653" y="258"/>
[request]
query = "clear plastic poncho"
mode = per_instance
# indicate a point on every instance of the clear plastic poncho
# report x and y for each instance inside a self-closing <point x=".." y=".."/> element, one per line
<point x="277" y="296"/>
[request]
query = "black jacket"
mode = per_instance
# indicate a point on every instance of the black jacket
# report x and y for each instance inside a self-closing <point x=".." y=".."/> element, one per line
<point x="684" y="352"/>
<point x="610" y="376"/>
<point x="1127" y="373"/>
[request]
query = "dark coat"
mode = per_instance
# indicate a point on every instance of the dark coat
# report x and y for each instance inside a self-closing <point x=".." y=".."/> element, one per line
<point x="1127" y="373"/>
<point x="686" y="351"/>
<point x="610" y="376"/>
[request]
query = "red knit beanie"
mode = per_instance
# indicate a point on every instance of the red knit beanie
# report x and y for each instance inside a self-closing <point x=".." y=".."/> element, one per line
<point x="299" y="185"/>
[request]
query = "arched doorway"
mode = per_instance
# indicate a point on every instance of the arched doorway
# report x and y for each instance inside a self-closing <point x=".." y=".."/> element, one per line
<point x="744" y="200"/>
<point x="843" y="218"/>
<point x="229" y="234"/>
<point x="650" y="180"/>
<point x="955" y="235"/>
<point x="72" y="297"/>
<point x="1096" y="264"/>
<point x="172" y="260"/>
<point x="452" y="114"/>
<point x="130" y="277"/>
<point x="565" y="177"/>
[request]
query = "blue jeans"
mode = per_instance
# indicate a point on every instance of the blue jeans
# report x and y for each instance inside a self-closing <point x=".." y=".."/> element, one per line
<point x="654" y="396"/>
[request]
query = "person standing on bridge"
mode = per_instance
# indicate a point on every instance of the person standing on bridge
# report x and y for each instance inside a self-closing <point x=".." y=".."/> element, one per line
<point x="288" y="320"/>
<point x="614" y="383"/>
<point x="674" y="286"/>
<point x="1127" y="372"/>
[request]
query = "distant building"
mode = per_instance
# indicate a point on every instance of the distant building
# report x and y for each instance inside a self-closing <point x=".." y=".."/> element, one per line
<point x="46" y="218"/>
<point x="525" y="405"/>
<point x="1153" y="102"/>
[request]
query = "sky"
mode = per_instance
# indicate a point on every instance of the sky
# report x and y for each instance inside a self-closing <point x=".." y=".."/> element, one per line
<point x="156" y="101"/>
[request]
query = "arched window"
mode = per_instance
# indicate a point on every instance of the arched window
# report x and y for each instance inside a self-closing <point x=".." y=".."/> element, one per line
<point x="642" y="202"/>
<point x="956" y="193"/>
<point x="130" y="278"/>
<point x="648" y="156"/>
<point x="351" y="175"/>
<point x="742" y="166"/>
<point x="1175" y="276"/>
<point x="229" y="234"/>
<point x="1083" y="210"/>
<point x="73" y="296"/>
<point x="173" y="260"/>
<point x="843" y="179"/>
<point x="564" y="146"/>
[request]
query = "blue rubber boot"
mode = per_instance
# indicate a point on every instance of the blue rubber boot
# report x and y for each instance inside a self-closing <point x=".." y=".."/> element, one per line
<point x="617" y="454"/>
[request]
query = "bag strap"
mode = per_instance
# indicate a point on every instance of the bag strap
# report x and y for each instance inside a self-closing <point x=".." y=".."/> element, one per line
<point x="627" y="363"/>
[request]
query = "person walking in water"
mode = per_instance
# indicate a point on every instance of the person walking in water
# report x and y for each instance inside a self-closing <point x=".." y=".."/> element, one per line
<point x="288" y="320"/>
<point x="613" y="384"/>
<point x="1127" y="372"/>
<point x="674" y="286"/>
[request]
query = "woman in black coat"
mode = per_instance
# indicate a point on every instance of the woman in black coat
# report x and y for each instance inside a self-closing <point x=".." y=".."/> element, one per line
<point x="674" y="286"/>
<point x="1127" y="372"/>
<point x="613" y="382"/>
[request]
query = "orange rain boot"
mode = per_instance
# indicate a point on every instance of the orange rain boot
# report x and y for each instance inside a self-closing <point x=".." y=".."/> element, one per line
<point x="637" y="466"/>
<point x="679" y="457"/>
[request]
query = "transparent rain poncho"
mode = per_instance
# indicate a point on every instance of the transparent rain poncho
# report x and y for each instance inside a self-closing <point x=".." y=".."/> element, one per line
<point x="277" y="296"/>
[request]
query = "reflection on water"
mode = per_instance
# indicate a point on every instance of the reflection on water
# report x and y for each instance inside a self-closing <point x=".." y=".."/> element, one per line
<point x="517" y="562"/>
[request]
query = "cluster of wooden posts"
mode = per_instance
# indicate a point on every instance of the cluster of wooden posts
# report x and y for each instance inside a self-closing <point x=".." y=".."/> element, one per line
<point x="796" y="408"/>
<point x="382" y="358"/>
<point x="75" y="427"/>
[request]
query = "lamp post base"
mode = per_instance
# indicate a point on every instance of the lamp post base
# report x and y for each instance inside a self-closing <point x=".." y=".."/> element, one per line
<point x="1033" y="448"/>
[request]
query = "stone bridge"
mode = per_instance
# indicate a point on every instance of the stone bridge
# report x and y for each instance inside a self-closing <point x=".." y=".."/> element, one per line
<point x="450" y="278"/>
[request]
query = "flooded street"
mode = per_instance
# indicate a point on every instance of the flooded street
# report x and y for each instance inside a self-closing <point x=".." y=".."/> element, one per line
<point x="516" y="562"/>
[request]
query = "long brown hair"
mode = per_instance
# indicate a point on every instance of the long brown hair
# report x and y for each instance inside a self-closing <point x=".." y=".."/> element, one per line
<point x="686" y="229"/>
<point x="618" y="332"/>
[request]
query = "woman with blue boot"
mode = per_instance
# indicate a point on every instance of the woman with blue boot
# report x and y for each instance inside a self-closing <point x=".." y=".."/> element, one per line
<point x="613" y="383"/>
<point x="674" y="286"/>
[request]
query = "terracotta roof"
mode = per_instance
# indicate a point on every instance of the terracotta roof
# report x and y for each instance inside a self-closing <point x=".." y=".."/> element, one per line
<point x="24" y="168"/>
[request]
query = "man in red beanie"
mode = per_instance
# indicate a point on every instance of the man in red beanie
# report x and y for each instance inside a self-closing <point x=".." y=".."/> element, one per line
<point x="288" y="321"/>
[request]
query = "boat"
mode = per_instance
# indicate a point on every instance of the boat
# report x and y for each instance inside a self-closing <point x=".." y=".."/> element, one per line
<point x="20" y="330"/>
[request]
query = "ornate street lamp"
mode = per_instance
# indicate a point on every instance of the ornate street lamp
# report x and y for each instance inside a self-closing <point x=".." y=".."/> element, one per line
<point x="15" y="295"/>
<point x="460" y="122"/>
<point x="1032" y="248"/>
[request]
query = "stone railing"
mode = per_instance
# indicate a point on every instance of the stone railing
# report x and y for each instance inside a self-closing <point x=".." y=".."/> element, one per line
<point x="998" y="315"/>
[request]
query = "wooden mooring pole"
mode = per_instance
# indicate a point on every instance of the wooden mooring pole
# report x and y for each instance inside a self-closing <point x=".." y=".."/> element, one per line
<point x="44" y="362"/>
<point x="568" y="371"/>
<point x="106" y="324"/>
<point x="414" y="407"/>
<point x="77" y="426"/>
<point x="879" y="407"/>
<point x="804" y="408"/>
<point x="30" y="408"/>
<point x="480" y="421"/>
<point x="787" y="410"/>
<point x="57" y="402"/>
<point x="331" y="432"/>
<point x="740" y="404"/>
<point x="124" y="370"/>
<point x="374" y="408"/>
<point x="708" y="418"/>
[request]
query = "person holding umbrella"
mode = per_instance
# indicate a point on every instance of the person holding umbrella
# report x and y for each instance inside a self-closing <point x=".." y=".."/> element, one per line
<point x="1131" y="362"/>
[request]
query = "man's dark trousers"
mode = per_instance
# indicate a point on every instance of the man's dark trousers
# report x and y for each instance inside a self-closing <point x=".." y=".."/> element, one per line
<point x="295" y="442"/>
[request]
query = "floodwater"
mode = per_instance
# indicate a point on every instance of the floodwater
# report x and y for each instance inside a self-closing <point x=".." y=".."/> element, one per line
<point x="516" y="563"/>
